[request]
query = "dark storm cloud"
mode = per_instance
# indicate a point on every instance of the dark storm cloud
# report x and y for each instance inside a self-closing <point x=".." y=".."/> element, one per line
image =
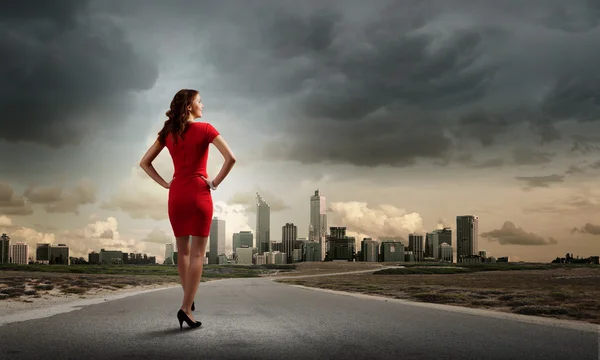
<point x="527" y="156"/>
<point x="490" y="163"/>
<point x="580" y="203"/>
<point x="530" y="182"/>
<point x="11" y="203"/>
<point x="585" y="145"/>
<point x="574" y="170"/>
<point x="396" y="84"/>
<point x="481" y="126"/>
<point x="573" y="16"/>
<point x="359" y="92"/>
<point x="574" y="97"/>
<point x="378" y="83"/>
<point x="588" y="228"/>
<point x="512" y="235"/>
<point x="66" y="72"/>
<point x="54" y="198"/>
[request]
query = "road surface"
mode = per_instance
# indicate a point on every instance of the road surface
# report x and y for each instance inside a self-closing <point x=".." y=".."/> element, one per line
<point x="257" y="318"/>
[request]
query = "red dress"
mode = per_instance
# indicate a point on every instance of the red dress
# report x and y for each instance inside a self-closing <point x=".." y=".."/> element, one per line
<point x="190" y="200"/>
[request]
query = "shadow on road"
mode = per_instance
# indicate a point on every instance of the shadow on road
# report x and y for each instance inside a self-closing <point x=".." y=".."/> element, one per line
<point x="170" y="331"/>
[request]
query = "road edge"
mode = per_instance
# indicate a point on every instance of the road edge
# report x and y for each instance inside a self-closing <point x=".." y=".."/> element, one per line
<point x="532" y="319"/>
<point x="66" y="307"/>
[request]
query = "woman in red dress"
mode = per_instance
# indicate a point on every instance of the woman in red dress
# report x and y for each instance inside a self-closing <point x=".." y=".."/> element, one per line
<point x="190" y="202"/>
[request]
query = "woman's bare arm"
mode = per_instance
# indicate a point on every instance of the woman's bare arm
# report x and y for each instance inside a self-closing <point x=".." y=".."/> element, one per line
<point x="220" y="143"/>
<point x="146" y="164"/>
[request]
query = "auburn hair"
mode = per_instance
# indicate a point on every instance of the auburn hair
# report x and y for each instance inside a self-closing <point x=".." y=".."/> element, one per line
<point x="177" y="115"/>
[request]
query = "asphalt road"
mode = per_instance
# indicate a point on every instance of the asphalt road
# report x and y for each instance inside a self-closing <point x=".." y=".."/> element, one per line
<point x="262" y="319"/>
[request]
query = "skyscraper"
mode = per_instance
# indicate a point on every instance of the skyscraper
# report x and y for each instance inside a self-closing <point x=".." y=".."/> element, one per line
<point x="216" y="240"/>
<point x="289" y="235"/>
<point x="243" y="239"/>
<point x="435" y="239"/>
<point x="42" y="252"/>
<point x="169" y="250"/>
<point x="4" y="248"/>
<point x="263" y="225"/>
<point x="467" y="236"/>
<point x="318" y="217"/>
<point x="59" y="254"/>
<point x="317" y="228"/>
<point x="415" y="244"/>
<point x="19" y="253"/>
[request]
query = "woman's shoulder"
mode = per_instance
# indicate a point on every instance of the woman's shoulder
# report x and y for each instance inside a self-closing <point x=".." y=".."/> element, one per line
<point x="202" y="125"/>
<point x="199" y="124"/>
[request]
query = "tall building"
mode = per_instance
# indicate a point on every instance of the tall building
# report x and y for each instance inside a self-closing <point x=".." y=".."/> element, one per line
<point x="19" y="253"/>
<point x="317" y="228"/>
<point x="263" y="225"/>
<point x="435" y="239"/>
<point x="340" y="246"/>
<point x="42" y="252"/>
<point x="415" y="244"/>
<point x="392" y="251"/>
<point x="59" y="254"/>
<point x="111" y="257"/>
<point x="446" y="252"/>
<point x="243" y="239"/>
<point x="289" y="235"/>
<point x="216" y="240"/>
<point x="4" y="249"/>
<point x="169" y="250"/>
<point x="467" y="236"/>
<point x="369" y="250"/>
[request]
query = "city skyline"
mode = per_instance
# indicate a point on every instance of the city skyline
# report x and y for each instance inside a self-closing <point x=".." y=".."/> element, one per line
<point x="404" y="116"/>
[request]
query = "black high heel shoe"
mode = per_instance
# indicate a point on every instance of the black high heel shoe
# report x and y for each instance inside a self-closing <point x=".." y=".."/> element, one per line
<point x="182" y="316"/>
<point x="193" y="307"/>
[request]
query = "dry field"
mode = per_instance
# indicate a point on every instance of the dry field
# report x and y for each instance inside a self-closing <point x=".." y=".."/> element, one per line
<point x="26" y="286"/>
<point x="566" y="293"/>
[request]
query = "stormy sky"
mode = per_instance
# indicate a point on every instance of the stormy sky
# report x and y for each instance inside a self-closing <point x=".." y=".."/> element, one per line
<point x="404" y="114"/>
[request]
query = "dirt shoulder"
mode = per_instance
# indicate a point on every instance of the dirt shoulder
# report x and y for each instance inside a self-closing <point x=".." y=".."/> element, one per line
<point x="20" y="291"/>
<point x="566" y="293"/>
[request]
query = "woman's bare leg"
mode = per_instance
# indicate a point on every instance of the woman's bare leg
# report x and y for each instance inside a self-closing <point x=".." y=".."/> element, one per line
<point x="183" y="259"/>
<point x="196" y="258"/>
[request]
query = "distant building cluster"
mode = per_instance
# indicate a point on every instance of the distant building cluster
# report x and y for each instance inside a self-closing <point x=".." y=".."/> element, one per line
<point x="51" y="254"/>
<point x="333" y="244"/>
<point x="323" y="244"/>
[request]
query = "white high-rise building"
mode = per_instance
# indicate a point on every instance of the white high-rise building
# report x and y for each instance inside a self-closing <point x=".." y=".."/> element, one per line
<point x="317" y="228"/>
<point x="318" y="217"/>
<point x="19" y="253"/>
<point x="169" y="252"/>
<point x="263" y="225"/>
<point x="467" y="236"/>
<point x="216" y="240"/>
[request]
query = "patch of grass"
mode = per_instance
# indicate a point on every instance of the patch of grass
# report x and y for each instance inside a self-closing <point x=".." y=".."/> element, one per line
<point x="436" y="297"/>
<point x="74" y="290"/>
<point x="13" y="292"/>
<point x="561" y="292"/>
<point x="560" y="295"/>
<point x="486" y="303"/>
<point x="44" y="287"/>
<point x="120" y="286"/>
<point x="499" y="266"/>
<point x="542" y="310"/>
